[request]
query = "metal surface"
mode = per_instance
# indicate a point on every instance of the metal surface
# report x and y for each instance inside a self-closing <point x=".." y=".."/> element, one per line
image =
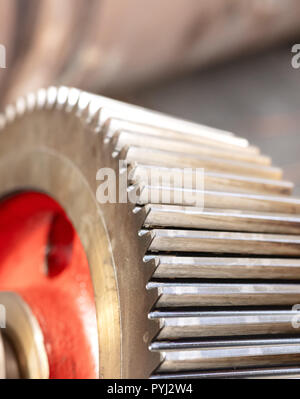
<point x="261" y="372"/>
<point x="12" y="363"/>
<point x="176" y="288"/>
<point x="222" y="268"/>
<point x="26" y="337"/>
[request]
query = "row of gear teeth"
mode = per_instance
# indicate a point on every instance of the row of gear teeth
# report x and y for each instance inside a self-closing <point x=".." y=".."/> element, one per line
<point x="227" y="274"/>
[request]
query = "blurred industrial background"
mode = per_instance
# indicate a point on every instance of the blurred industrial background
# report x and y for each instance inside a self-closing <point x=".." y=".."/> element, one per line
<point x="225" y="63"/>
<point x="256" y="97"/>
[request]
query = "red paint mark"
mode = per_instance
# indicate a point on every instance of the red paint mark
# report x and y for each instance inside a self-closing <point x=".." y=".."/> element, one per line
<point x="42" y="259"/>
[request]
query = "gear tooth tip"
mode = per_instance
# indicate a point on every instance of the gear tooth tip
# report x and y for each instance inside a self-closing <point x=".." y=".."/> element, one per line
<point x="62" y="97"/>
<point x="51" y="97"/>
<point x="95" y="118"/>
<point x="10" y="113"/>
<point x="41" y="98"/>
<point x="83" y="105"/>
<point x="31" y="101"/>
<point x="21" y="106"/>
<point x="72" y="100"/>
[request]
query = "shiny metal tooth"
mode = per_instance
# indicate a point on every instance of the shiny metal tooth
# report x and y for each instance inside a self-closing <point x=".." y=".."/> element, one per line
<point x="236" y="294"/>
<point x="224" y="242"/>
<point x="51" y="98"/>
<point x="205" y="343"/>
<point x="63" y="98"/>
<point x="118" y="115"/>
<point x="117" y="111"/>
<point x="218" y="267"/>
<point x="115" y="125"/>
<point x="215" y="181"/>
<point x="41" y="98"/>
<point x="230" y="357"/>
<point x="10" y="113"/>
<point x="216" y="199"/>
<point x="72" y="100"/>
<point x="222" y="312"/>
<point x="157" y="215"/>
<point x="173" y="159"/>
<point x="125" y="138"/>
<point x="176" y="328"/>
<point x="31" y="100"/>
<point x="173" y="177"/>
<point x="21" y="106"/>
<point x="262" y="372"/>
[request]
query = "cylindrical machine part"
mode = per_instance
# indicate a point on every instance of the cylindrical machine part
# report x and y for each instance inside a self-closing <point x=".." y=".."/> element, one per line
<point x="145" y="240"/>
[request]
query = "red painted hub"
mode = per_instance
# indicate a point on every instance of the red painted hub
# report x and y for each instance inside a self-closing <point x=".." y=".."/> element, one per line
<point x="43" y="260"/>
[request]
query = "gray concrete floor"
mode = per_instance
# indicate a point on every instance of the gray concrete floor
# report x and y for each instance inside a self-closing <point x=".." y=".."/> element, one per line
<point x="257" y="98"/>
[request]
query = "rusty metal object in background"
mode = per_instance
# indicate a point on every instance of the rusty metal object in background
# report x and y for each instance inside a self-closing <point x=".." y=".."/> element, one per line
<point x="112" y="46"/>
<point x="57" y="28"/>
<point x="179" y="290"/>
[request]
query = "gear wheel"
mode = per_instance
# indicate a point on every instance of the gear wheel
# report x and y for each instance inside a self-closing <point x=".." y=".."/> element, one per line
<point x="179" y="290"/>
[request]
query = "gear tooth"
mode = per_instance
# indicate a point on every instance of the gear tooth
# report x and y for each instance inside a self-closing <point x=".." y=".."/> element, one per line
<point x="62" y="97"/>
<point x="31" y="101"/>
<point x="122" y="155"/>
<point x="117" y="156"/>
<point x="105" y="116"/>
<point x="151" y="262"/>
<point x="93" y="113"/>
<point x="41" y="98"/>
<point x="150" y="258"/>
<point x="85" y="114"/>
<point x="51" y="97"/>
<point x="146" y="237"/>
<point x="10" y="113"/>
<point x="146" y="212"/>
<point x="95" y="120"/>
<point x="140" y="214"/>
<point x="110" y="125"/>
<point x="106" y="128"/>
<point x="83" y="106"/>
<point x="117" y="153"/>
<point x="73" y="100"/>
<point x="116" y="145"/>
<point x="21" y="106"/>
<point x="140" y="193"/>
